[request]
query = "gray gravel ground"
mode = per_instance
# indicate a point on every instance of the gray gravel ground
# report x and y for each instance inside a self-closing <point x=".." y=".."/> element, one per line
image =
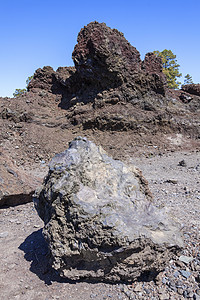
<point x="25" y="273"/>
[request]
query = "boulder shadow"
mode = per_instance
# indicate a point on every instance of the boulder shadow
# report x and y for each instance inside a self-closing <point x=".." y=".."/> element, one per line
<point x="36" y="251"/>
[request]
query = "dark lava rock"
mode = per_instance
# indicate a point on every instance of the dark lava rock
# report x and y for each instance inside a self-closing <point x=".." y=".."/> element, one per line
<point x="182" y="163"/>
<point x="193" y="89"/>
<point x="111" y="88"/>
<point x="100" y="220"/>
<point x="185" y="98"/>
<point x="103" y="54"/>
<point x="15" y="116"/>
<point x="42" y="79"/>
<point x="152" y="64"/>
<point x="104" y="60"/>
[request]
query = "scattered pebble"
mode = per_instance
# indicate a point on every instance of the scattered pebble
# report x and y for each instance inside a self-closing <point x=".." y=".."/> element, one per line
<point x="186" y="259"/>
<point x="182" y="163"/>
<point x="3" y="234"/>
<point x="185" y="274"/>
<point x="36" y="226"/>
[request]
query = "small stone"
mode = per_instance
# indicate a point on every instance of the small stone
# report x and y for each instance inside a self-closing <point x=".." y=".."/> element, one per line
<point x="147" y="291"/>
<point x="198" y="292"/>
<point x="138" y="288"/>
<point x="163" y="296"/>
<point x="180" y="264"/>
<point x="185" y="294"/>
<point x="190" y="295"/>
<point x="186" y="235"/>
<point x="171" y="181"/>
<point x="187" y="191"/>
<point x="12" y="172"/>
<point x="164" y="280"/>
<point x="3" y="234"/>
<point x="13" y="220"/>
<point x="179" y="284"/>
<point x="180" y="291"/>
<point x="176" y="274"/>
<point x="182" y="163"/>
<point x="185" y="274"/>
<point x="172" y="286"/>
<point x="186" y="259"/>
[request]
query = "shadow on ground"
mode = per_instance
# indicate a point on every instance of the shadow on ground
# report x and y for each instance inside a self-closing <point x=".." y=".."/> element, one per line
<point x="36" y="251"/>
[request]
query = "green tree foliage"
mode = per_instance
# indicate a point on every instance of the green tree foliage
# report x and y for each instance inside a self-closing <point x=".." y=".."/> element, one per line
<point x="28" y="80"/>
<point x="170" y="67"/>
<point x="188" y="79"/>
<point x="19" y="92"/>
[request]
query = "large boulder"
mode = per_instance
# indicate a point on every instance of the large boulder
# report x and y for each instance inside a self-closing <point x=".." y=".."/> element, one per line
<point x="100" y="220"/>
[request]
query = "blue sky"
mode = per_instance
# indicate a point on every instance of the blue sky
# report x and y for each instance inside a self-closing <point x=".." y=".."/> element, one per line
<point x="35" y="33"/>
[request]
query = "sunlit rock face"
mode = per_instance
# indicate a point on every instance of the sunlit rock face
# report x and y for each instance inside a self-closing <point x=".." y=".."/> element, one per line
<point x="100" y="220"/>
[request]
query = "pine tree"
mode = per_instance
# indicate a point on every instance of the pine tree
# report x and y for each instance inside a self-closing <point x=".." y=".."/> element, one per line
<point x="170" y="67"/>
<point x="188" y="79"/>
<point x="19" y="92"/>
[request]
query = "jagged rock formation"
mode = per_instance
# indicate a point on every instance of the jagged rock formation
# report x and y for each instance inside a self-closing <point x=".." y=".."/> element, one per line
<point x="103" y="56"/>
<point x="193" y="89"/>
<point x="109" y="72"/>
<point x="100" y="221"/>
<point x="104" y="60"/>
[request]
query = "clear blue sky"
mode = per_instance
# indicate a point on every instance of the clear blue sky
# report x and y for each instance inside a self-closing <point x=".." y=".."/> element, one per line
<point x="35" y="33"/>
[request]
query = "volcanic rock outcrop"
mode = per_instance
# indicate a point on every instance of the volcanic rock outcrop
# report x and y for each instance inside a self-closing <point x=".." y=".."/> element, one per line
<point x="111" y="88"/>
<point x="193" y="89"/>
<point x="100" y="220"/>
<point x="103" y="60"/>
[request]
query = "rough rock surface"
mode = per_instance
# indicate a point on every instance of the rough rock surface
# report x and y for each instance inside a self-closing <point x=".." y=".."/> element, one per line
<point x="110" y="88"/>
<point x="17" y="185"/>
<point x="193" y="89"/>
<point x="104" y="55"/>
<point x="103" y="60"/>
<point x="100" y="221"/>
<point x="138" y="112"/>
